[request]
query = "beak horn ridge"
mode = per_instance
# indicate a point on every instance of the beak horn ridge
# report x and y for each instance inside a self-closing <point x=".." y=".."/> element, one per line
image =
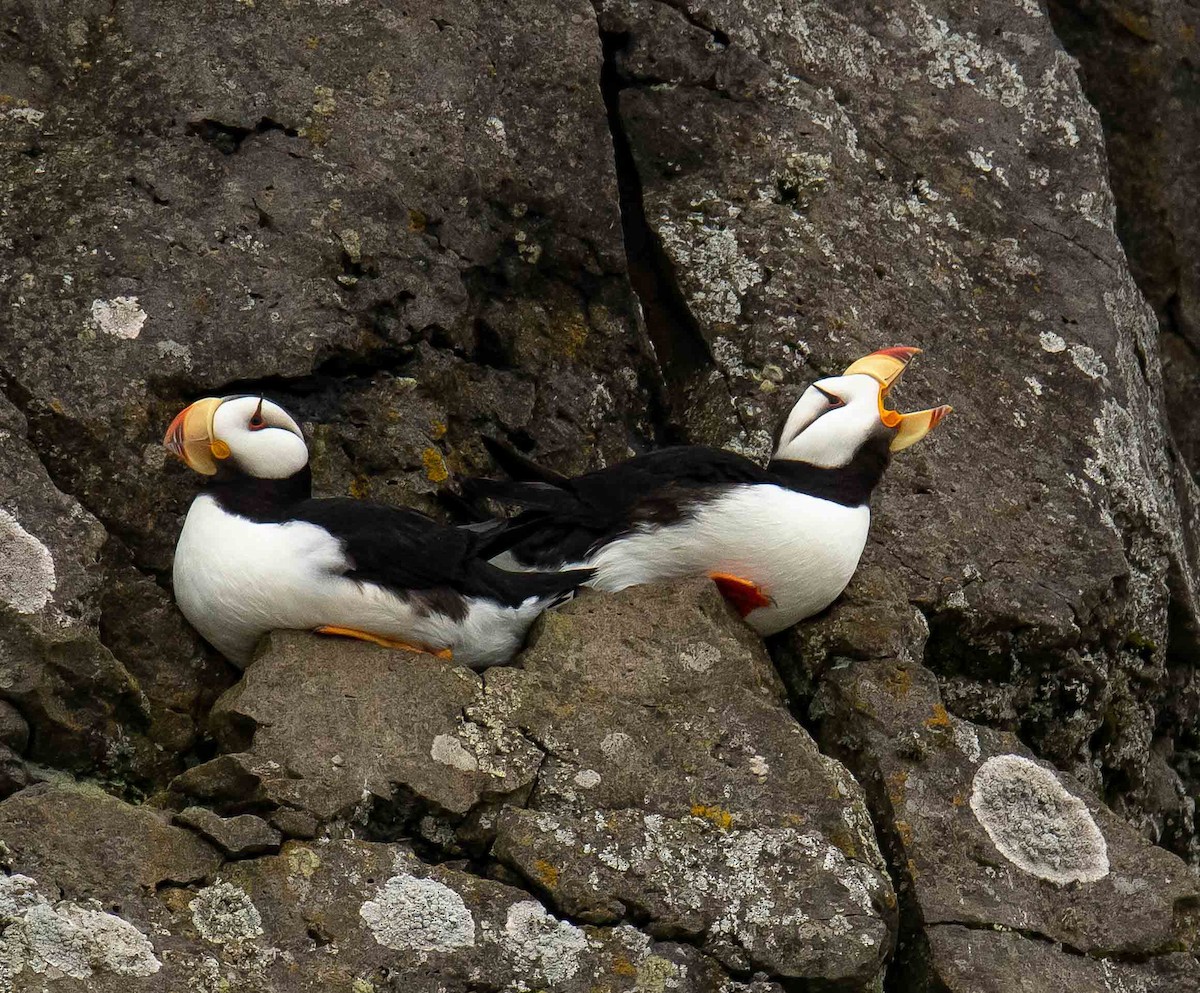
<point x="885" y="365"/>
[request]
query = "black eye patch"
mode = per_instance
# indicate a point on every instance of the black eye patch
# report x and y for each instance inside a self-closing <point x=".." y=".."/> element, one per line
<point x="257" y="422"/>
<point x="833" y="398"/>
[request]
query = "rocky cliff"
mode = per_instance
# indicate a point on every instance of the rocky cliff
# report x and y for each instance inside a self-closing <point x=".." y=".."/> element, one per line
<point x="591" y="229"/>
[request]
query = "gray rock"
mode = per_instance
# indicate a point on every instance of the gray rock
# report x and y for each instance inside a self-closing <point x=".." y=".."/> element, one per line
<point x="650" y="737"/>
<point x="14" y="775"/>
<point x="985" y="837"/>
<point x="982" y="961"/>
<point x="334" y="727"/>
<point x="404" y="259"/>
<point x="823" y="182"/>
<point x="90" y="845"/>
<point x="94" y="655"/>
<point x="236" y="837"/>
<point x="1139" y="70"/>
<point x="340" y="915"/>
<point x="678" y="789"/>
<point x="14" y="729"/>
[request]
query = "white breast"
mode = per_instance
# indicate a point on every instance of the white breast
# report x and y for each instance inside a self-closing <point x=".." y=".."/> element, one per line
<point x="800" y="550"/>
<point x="236" y="579"/>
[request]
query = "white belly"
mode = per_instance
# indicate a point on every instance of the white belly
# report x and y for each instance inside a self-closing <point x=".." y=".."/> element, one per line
<point x="799" y="550"/>
<point x="237" y="579"/>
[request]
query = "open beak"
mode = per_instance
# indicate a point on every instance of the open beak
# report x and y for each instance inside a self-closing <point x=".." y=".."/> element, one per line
<point x="190" y="437"/>
<point x="885" y="367"/>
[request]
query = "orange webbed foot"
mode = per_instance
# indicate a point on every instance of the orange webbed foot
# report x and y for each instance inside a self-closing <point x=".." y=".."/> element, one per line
<point x="745" y="595"/>
<point x="381" y="640"/>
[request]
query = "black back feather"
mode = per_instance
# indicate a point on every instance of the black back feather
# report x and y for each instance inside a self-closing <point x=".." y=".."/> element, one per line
<point x="565" y="520"/>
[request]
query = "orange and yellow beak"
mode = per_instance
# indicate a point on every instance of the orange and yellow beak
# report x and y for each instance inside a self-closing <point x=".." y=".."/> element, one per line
<point x="191" y="437"/>
<point x="885" y="367"/>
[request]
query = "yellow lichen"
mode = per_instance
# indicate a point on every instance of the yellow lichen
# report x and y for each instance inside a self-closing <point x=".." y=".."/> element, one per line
<point x="312" y="42"/>
<point x="899" y="682"/>
<point x="416" y="221"/>
<point x="623" y="967"/>
<point x="845" y="843"/>
<point x="721" y="817"/>
<point x="438" y="430"/>
<point x="654" y="972"/>
<point x="895" y="786"/>
<point x="574" y="337"/>
<point x="435" y="466"/>
<point x="302" y="860"/>
<point x="940" y="721"/>
<point x="546" y="872"/>
<point x="904" y="830"/>
<point x="359" y="487"/>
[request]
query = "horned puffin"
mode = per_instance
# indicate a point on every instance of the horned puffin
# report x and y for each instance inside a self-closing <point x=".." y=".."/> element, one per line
<point x="258" y="553"/>
<point x="780" y="542"/>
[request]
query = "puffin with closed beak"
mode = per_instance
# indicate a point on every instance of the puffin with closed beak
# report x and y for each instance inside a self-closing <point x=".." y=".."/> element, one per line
<point x="258" y="553"/>
<point x="781" y="542"/>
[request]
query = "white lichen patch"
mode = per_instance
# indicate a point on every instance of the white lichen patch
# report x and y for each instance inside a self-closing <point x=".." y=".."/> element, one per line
<point x="411" y="914"/>
<point x="25" y="115"/>
<point x="957" y="59"/>
<point x="120" y="317"/>
<point x="1052" y="342"/>
<point x="448" y="750"/>
<point x="614" y="743"/>
<point x="170" y="350"/>
<point x="1097" y="209"/>
<point x="65" y="938"/>
<point x="587" y="779"/>
<point x="27" y="577"/>
<point x="966" y="738"/>
<point x="980" y="159"/>
<point x="1036" y="824"/>
<point x="542" y="941"/>
<point x="1088" y="362"/>
<point x="699" y="657"/>
<point x="224" y="914"/>
<point x="717" y="269"/>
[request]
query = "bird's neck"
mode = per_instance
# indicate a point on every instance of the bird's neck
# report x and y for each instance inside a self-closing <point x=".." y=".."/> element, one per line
<point x="260" y="499"/>
<point x="850" y="485"/>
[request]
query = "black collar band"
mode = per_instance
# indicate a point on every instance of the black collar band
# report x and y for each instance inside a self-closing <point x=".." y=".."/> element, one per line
<point x="260" y="499"/>
<point x="850" y="485"/>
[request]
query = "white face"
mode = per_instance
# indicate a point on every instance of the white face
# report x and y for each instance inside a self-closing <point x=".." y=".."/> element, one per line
<point x="831" y="421"/>
<point x="263" y="440"/>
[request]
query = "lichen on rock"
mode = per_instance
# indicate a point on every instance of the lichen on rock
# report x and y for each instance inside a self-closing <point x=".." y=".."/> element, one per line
<point x="1036" y="824"/>
<point x="27" y="578"/>
<point x="423" y="915"/>
<point x="66" y="938"/>
<point x="548" y="946"/>
<point x="224" y="914"/>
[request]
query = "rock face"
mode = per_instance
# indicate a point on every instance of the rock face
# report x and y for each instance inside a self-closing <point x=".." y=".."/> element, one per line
<point x="590" y="229"/>
<point x="1139" y="65"/>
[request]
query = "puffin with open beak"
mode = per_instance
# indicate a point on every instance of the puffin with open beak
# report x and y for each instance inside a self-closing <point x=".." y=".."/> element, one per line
<point x="258" y="553"/>
<point x="780" y="542"/>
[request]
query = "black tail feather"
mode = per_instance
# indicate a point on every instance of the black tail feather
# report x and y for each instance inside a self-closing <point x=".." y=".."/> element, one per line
<point x="506" y="536"/>
<point x="542" y="496"/>
<point x="517" y="466"/>
<point x="517" y="587"/>
<point x="559" y="585"/>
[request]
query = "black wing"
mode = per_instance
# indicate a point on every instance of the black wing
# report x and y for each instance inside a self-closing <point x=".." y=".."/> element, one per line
<point x="409" y="553"/>
<point x="568" y="519"/>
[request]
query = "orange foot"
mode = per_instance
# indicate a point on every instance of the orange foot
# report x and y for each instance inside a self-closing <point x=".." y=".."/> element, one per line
<point x="378" y="639"/>
<point x="745" y="595"/>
